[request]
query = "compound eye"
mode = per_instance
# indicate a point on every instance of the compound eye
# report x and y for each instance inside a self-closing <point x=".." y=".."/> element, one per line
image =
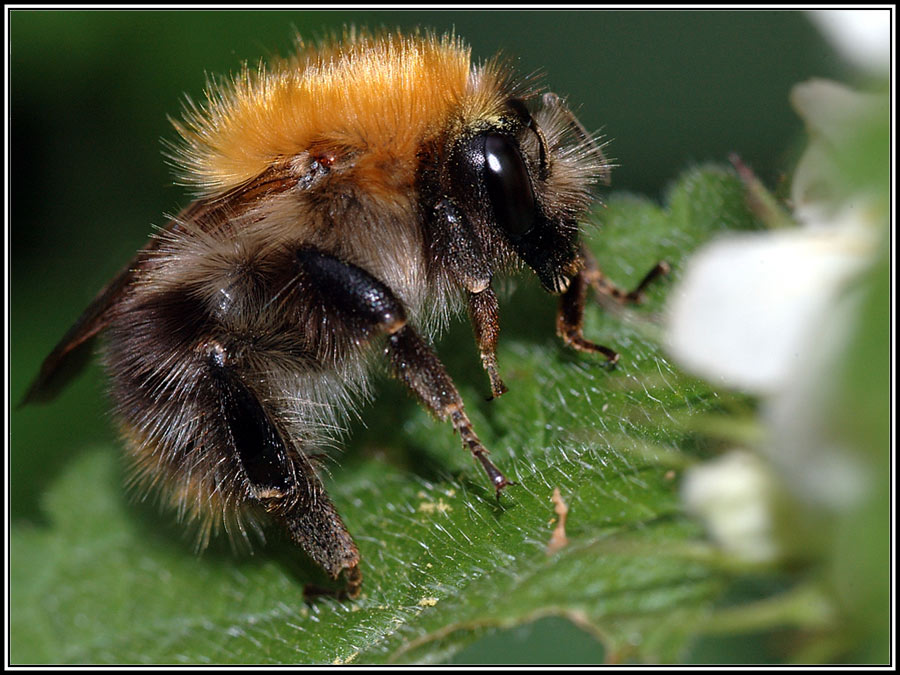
<point x="508" y="185"/>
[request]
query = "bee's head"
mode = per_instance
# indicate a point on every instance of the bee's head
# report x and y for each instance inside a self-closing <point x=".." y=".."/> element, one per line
<point x="523" y="181"/>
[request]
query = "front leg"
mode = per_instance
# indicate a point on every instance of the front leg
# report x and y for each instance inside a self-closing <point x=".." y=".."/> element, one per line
<point x="456" y="245"/>
<point x="570" y="317"/>
<point x="484" y="313"/>
<point x="603" y="286"/>
<point x="363" y="304"/>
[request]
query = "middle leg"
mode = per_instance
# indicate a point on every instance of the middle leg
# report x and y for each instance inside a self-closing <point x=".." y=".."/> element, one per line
<point x="365" y="305"/>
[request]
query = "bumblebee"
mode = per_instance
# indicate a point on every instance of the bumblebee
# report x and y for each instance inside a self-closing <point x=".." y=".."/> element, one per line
<point x="348" y="201"/>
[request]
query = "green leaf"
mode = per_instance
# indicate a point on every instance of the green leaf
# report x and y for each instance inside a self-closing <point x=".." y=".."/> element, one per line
<point x="101" y="579"/>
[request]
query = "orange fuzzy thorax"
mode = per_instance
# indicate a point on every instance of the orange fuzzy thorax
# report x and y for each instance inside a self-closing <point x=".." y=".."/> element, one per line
<point x="376" y="96"/>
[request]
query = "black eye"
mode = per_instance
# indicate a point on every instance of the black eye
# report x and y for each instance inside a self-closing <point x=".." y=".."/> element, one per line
<point x="508" y="185"/>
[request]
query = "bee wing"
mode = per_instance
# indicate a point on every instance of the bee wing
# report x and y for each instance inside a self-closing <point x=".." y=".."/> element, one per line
<point x="72" y="353"/>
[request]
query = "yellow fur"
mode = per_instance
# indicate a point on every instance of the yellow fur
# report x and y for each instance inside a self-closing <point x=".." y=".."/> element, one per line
<point x="376" y="96"/>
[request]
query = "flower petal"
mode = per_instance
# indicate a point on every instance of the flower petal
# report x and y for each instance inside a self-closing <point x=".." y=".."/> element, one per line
<point x="749" y="304"/>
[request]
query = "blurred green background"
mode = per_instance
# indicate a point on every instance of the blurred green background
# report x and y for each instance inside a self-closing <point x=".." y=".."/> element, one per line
<point x="90" y="92"/>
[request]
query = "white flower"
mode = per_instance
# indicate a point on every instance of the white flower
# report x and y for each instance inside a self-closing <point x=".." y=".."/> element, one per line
<point x="862" y="36"/>
<point x="771" y="313"/>
<point x="747" y="310"/>
<point x="830" y="111"/>
<point x="734" y="496"/>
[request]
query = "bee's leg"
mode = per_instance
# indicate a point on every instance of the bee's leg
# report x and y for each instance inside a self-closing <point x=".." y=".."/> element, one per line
<point x="601" y="284"/>
<point x="283" y="481"/>
<point x="416" y="364"/>
<point x="570" y="319"/>
<point x="466" y="262"/>
<point x="485" y="316"/>
<point x="360" y="303"/>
